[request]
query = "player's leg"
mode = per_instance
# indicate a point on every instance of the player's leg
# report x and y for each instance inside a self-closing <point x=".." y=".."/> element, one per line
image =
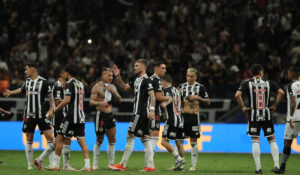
<point x="59" y="141"/>
<point x="148" y="154"/>
<point x="194" y="153"/>
<point x="154" y="133"/>
<point x="96" y="150"/>
<point x="194" y="125"/>
<point x="85" y="151"/>
<point x="66" y="155"/>
<point x="29" y="150"/>
<point x="254" y="132"/>
<point x="269" y="132"/>
<point x="111" y="136"/>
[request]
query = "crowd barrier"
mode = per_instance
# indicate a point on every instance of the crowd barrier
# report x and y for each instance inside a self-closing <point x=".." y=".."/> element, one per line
<point x="228" y="138"/>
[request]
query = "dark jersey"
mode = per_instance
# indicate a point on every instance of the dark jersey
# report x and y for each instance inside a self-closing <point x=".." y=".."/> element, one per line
<point x="258" y="93"/>
<point x="157" y="87"/>
<point x="75" y="89"/>
<point x="173" y="110"/>
<point x="58" y="94"/>
<point x="141" y="86"/>
<point x="195" y="89"/>
<point x="36" y="92"/>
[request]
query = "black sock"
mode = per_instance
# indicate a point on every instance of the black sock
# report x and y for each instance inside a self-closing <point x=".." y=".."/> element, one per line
<point x="285" y="155"/>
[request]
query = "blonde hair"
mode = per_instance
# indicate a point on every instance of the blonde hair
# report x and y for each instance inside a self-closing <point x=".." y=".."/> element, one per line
<point x="191" y="69"/>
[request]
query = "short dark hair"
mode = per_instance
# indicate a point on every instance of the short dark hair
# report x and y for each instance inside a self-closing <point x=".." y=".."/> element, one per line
<point x="167" y="78"/>
<point x="32" y="64"/>
<point x="71" y="69"/>
<point x="294" y="69"/>
<point x="143" y="61"/>
<point x="158" y="63"/>
<point x="256" y="68"/>
<point x="58" y="72"/>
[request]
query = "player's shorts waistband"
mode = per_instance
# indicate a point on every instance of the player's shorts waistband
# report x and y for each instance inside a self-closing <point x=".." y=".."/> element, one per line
<point x="189" y="115"/>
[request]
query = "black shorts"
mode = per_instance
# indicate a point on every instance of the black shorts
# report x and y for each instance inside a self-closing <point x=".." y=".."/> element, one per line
<point x="103" y="122"/>
<point x="29" y="124"/>
<point x="173" y="133"/>
<point x="57" y="121"/>
<point x="69" y="129"/>
<point x="155" y="123"/>
<point x="139" y="125"/>
<point x="255" y="127"/>
<point x="191" y="125"/>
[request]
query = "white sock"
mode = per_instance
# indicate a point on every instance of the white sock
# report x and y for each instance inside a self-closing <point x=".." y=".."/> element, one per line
<point x="256" y="154"/>
<point x="96" y="153"/>
<point x="87" y="163"/>
<point x="148" y="153"/>
<point x="194" y="154"/>
<point x="49" y="149"/>
<point x="275" y="153"/>
<point x="182" y="166"/>
<point x="127" y="151"/>
<point x="176" y="155"/>
<point x="56" y="160"/>
<point x="66" y="155"/>
<point x="29" y="152"/>
<point x="153" y="143"/>
<point x="111" y="153"/>
<point x="51" y="159"/>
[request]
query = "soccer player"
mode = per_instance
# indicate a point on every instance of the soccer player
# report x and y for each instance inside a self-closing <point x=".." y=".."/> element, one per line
<point x="36" y="90"/>
<point x="102" y="96"/>
<point x="58" y="95"/>
<point x="259" y="112"/>
<point x="159" y="72"/>
<point x="193" y="93"/>
<point x="73" y="125"/>
<point x="292" y="127"/>
<point x="173" y="130"/>
<point x="144" y="111"/>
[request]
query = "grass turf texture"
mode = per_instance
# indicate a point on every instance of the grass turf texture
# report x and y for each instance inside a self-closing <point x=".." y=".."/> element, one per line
<point x="208" y="163"/>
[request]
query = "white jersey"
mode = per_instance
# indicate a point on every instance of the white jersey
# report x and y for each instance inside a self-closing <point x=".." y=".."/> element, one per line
<point x="293" y="89"/>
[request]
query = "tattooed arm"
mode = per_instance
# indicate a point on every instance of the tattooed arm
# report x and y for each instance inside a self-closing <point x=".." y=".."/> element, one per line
<point x="118" y="80"/>
<point x="152" y="105"/>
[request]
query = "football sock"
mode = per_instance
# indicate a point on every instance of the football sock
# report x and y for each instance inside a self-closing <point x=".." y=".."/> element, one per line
<point x="148" y="153"/>
<point x="111" y="153"/>
<point x="56" y="160"/>
<point x="256" y="154"/>
<point x="49" y="149"/>
<point x="127" y="151"/>
<point x="284" y="157"/>
<point x="29" y="152"/>
<point x="87" y="163"/>
<point x="153" y="143"/>
<point x="194" y="154"/>
<point x="66" y="155"/>
<point x="176" y="155"/>
<point x="275" y="152"/>
<point x="96" y="153"/>
<point x="51" y="159"/>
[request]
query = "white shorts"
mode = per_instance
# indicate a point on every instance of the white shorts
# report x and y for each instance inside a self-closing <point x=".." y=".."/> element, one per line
<point x="290" y="133"/>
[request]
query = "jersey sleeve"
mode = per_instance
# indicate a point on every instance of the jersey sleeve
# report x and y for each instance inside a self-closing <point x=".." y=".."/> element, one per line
<point x="292" y="89"/>
<point x="69" y="89"/>
<point x="168" y="92"/>
<point x="243" y="87"/>
<point x="156" y="85"/>
<point x="46" y="89"/>
<point x="274" y="86"/>
<point x="203" y="92"/>
<point x="57" y="92"/>
<point x="148" y="84"/>
<point x="23" y="87"/>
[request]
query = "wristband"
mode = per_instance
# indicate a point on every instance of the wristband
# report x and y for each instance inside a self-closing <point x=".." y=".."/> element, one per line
<point x="152" y="108"/>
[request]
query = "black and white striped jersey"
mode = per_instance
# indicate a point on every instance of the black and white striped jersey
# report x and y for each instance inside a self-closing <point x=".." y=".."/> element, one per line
<point x="58" y="94"/>
<point x="173" y="110"/>
<point x="141" y="86"/>
<point x="195" y="89"/>
<point x="293" y="89"/>
<point x="157" y="87"/>
<point x="36" y="92"/>
<point x="258" y="93"/>
<point x="75" y="112"/>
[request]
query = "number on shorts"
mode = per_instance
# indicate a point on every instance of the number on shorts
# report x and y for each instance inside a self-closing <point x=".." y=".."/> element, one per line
<point x="260" y="101"/>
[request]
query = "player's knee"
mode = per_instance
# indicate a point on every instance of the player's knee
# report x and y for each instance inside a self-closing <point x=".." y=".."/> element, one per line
<point x="100" y="139"/>
<point x="272" y="138"/>
<point x="288" y="143"/>
<point x="29" y="137"/>
<point x="67" y="141"/>
<point x="111" y="140"/>
<point x="163" y="141"/>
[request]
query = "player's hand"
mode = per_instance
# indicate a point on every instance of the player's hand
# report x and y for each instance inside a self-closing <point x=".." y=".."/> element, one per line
<point x="151" y="115"/>
<point x="103" y="104"/>
<point x="192" y="97"/>
<point x="245" y="109"/>
<point x="116" y="70"/>
<point x="292" y="124"/>
<point x="163" y="105"/>
<point x="168" y="98"/>
<point x="50" y="114"/>
<point x="273" y="108"/>
<point x="6" y="93"/>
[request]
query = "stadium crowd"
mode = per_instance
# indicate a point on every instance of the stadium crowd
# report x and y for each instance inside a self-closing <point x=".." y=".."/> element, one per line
<point x="220" y="38"/>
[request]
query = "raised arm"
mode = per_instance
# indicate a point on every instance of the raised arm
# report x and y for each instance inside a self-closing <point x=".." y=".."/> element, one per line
<point x="118" y="80"/>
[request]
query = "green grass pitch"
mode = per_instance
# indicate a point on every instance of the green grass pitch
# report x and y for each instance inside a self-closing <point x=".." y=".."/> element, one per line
<point x="208" y="163"/>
